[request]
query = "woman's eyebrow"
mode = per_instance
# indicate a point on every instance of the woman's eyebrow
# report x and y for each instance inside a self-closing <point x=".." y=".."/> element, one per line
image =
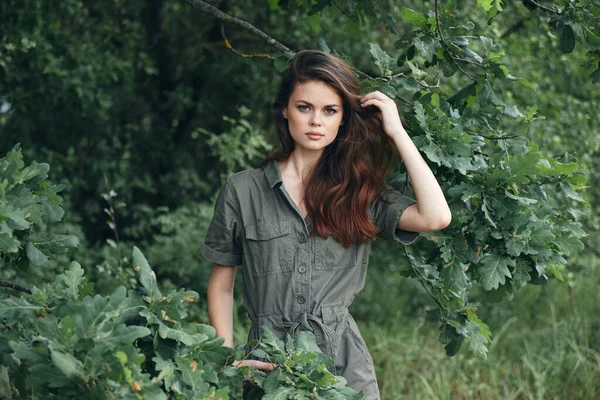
<point x="310" y="104"/>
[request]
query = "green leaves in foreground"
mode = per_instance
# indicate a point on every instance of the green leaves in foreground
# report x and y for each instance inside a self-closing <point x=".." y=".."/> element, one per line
<point x="302" y="371"/>
<point x="63" y="342"/>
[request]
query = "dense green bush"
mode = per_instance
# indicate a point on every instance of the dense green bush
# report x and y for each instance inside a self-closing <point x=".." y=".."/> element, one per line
<point x="62" y="341"/>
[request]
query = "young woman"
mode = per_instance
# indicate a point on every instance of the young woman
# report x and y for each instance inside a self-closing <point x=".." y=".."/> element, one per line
<point x="300" y="226"/>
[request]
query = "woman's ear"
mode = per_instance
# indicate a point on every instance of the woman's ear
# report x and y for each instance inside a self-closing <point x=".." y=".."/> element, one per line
<point x="285" y="113"/>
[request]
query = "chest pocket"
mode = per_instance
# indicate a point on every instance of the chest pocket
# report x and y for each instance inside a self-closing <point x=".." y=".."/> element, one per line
<point x="269" y="248"/>
<point x="331" y="255"/>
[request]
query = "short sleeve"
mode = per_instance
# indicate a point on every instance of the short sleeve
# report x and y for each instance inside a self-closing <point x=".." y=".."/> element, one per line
<point x="386" y="213"/>
<point x="222" y="242"/>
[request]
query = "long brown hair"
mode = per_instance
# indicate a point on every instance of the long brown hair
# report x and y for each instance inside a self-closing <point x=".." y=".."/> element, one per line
<point x="350" y="173"/>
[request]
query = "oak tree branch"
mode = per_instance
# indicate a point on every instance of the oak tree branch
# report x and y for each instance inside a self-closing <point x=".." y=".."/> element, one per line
<point x="15" y="286"/>
<point x="226" y="18"/>
<point x="221" y="16"/>
<point x="439" y="31"/>
<point x="243" y="55"/>
<point x="542" y="7"/>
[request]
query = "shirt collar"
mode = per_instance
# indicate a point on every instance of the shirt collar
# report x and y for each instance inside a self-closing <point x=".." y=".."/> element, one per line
<point x="273" y="173"/>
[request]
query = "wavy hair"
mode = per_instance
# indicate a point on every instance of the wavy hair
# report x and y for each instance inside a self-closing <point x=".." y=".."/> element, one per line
<point x="350" y="173"/>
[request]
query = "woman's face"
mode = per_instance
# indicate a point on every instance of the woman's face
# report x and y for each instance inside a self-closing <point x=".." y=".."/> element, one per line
<point x="314" y="113"/>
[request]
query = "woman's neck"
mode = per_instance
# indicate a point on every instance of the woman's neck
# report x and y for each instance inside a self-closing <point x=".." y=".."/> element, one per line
<point x="299" y="164"/>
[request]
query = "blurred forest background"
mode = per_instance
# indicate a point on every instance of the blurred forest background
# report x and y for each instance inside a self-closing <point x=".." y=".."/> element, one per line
<point x="142" y="111"/>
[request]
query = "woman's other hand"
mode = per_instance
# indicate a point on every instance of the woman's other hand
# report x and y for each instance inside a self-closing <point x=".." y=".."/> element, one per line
<point x="261" y="365"/>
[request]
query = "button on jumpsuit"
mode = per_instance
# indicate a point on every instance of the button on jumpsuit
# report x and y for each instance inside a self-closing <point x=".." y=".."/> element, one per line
<point x="294" y="282"/>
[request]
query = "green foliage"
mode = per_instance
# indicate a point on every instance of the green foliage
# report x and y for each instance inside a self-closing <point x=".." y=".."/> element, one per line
<point x="62" y="341"/>
<point x="540" y="351"/>
<point x="27" y="199"/>
<point x="571" y="21"/>
<point x="302" y="371"/>
<point x="238" y="148"/>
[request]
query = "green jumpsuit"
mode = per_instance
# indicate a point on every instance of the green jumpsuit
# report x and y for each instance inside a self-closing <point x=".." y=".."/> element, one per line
<point x="294" y="282"/>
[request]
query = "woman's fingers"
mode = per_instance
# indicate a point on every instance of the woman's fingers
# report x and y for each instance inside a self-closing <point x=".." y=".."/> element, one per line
<point x="374" y="95"/>
<point x="388" y="110"/>
<point x="373" y="102"/>
<point x="264" y="366"/>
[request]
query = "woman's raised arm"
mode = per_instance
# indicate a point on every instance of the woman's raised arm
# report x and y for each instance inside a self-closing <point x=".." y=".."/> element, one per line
<point x="431" y="213"/>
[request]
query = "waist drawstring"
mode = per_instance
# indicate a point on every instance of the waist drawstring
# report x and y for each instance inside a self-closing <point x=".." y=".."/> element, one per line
<point x="314" y="324"/>
<point x="324" y="335"/>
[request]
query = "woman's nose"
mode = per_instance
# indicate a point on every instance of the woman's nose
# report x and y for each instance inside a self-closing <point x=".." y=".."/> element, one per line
<point x="315" y="120"/>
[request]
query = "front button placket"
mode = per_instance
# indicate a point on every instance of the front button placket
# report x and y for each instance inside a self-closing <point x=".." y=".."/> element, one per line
<point x="302" y="276"/>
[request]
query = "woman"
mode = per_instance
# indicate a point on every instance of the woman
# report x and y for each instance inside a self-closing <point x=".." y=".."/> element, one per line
<point x="301" y="224"/>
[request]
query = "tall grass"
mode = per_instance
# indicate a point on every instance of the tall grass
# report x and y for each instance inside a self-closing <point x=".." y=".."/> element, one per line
<point x="546" y="346"/>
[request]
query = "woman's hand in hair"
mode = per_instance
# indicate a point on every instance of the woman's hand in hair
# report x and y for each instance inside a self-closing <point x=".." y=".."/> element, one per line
<point x="431" y="213"/>
<point x="388" y="112"/>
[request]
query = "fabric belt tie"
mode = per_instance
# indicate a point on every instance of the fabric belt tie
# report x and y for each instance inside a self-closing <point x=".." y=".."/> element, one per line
<point x="312" y="323"/>
<point x="327" y="339"/>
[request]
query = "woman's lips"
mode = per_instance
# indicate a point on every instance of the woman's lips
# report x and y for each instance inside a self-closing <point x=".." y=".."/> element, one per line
<point x="314" y="135"/>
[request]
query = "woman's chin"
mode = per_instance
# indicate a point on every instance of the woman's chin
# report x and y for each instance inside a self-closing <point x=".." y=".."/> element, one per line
<point x="313" y="145"/>
<point x="310" y="149"/>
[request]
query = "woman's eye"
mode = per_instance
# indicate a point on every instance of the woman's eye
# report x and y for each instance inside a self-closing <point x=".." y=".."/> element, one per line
<point x="330" y="111"/>
<point x="303" y="108"/>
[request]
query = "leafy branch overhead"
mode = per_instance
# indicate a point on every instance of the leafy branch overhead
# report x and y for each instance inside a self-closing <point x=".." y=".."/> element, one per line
<point x="513" y="206"/>
<point x="575" y="20"/>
